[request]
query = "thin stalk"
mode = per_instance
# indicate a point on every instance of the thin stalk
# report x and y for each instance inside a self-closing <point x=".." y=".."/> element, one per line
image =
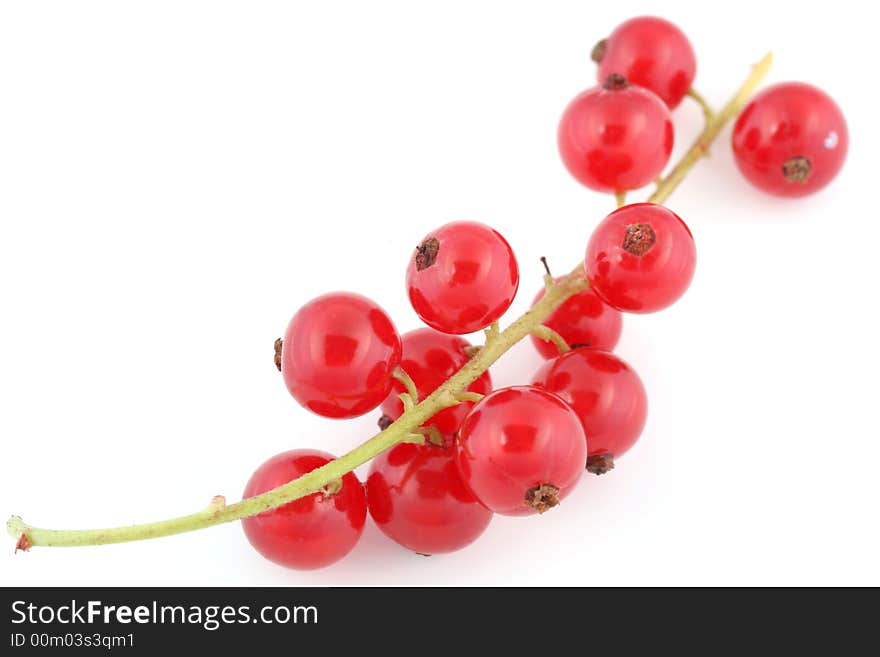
<point x="708" y="112"/>
<point x="410" y="386"/>
<point x="548" y="334"/>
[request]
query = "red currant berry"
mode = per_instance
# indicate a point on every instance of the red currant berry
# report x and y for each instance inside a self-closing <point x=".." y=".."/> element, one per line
<point x="417" y="498"/>
<point x="615" y="137"/>
<point x="790" y="140"/>
<point x="521" y="450"/>
<point x="338" y="355"/>
<point x="313" y="531"/>
<point x="640" y="258"/>
<point x="652" y="53"/>
<point x="582" y="321"/>
<point x="429" y="358"/>
<point x="462" y="277"/>
<point x="607" y="395"/>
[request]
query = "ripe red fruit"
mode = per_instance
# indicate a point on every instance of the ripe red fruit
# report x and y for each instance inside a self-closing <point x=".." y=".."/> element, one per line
<point x="462" y="277"/>
<point x="521" y="450"/>
<point x="607" y="395"/>
<point x="429" y="358"/>
<point x="615" y="137"/>
<point x="641" y="258"/>
<point x="338" y="355"/>
<point x="417" y="498"/>
<point x="791" y="139"/>
<point x="313" y="531"/>
<point x="584" y="320"/>
<point x="652" y="53"/>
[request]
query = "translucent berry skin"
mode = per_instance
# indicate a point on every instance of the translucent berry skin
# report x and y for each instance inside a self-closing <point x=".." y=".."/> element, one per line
<point x="605" y="392"/>
<point x="653" y="53"/>
<point x="584" y="320"/>
<point x="313" y="531"/>
<point x="462" y="277"/>
<point x="641" y="258"/>
<point x="429" y="358"/>
<point x="616" y="139"/>
<point x="516" y="439"/>
<point x="790" y="140"/>
<point x="417" y="498"/>
<point x="338" y="355"/>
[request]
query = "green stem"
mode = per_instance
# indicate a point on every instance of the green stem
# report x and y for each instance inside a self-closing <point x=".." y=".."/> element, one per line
<point x="448" y="394"/>
<point x="708" y="112"/>
<point x="548" y="334"/>
<point x="468" y="396"/>
<point x="408" y="384"/>
<point x="700" y="147"/>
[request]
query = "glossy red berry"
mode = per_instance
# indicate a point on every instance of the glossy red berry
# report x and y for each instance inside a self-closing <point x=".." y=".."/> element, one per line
<point x="313" y="531"/>
<point x="607" y="395"/>
<point x="417" y="498"/>
<point x="584" y="320"/>
<point x="429" y="358"/>
<point x="462" y="277"/>
<point x="521" y="450"/>
<point x="615" y="137"/>
<point x="652" y="53"/>
<point x="338" y="355"/>
<point x="640" y="258"/>
<point x="791" y="139"/>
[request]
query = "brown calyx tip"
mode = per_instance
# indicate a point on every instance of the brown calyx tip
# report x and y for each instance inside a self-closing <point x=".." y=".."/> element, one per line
<point x="639" y="239"/>
<point x="599" y="464"/>
<point x="797" y="169"/>
<point x="423" y="554"/>
<point x="542" y="498"/>
<point x="24" y="543"/>
<point x="278" y="343"/>
<point x="614" y="82"/>
<point x="597" y="54"/>
<point x="546" y="266"/>
<point x="384" y="422"/>
<point x="581" y="345"/>
<point x="426" y="253"/>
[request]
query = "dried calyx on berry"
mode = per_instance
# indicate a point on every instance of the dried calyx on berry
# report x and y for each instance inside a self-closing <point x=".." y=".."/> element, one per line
<point x="599" y="464"/>
<point x="426" y="253"/>
<point x="639" y="239"/>
<point x="597" y="54"/>
<point x="797" y="169"/>
<point x="279" y="343"/>
<point x="542" y="498"/>
<point x="614" y="82"/>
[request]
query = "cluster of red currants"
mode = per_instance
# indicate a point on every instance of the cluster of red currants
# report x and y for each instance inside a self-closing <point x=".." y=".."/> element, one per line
<point x="520" y="450"/>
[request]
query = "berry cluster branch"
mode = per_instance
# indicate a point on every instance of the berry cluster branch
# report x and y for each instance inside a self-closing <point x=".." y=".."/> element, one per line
<point x="714" y="123"/>
<point x="409" y="424"/>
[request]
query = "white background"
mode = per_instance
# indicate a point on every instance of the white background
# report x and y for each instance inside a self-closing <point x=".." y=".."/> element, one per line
<point x="177" y="178"/>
